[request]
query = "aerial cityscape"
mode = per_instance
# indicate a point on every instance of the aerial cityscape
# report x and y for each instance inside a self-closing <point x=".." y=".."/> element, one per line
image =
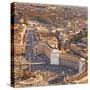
<point x="49" y="45"/>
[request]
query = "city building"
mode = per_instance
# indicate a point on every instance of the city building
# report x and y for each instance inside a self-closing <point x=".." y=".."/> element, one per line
<point x="46" y="49"/>
<point x="56" y="57"/>
<point x="70" y="61"/>
<point x="77" y="50"/>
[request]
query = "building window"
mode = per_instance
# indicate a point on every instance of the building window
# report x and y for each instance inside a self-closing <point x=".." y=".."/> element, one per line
<point x="36" y="52"/>
<point x="36" y="48"/>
